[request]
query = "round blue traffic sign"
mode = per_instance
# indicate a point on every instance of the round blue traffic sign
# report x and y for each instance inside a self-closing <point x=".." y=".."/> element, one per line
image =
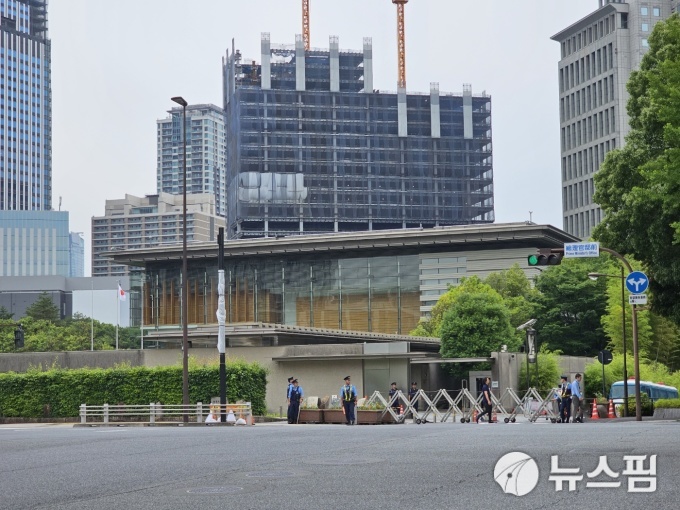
<point x="637" y="282"/>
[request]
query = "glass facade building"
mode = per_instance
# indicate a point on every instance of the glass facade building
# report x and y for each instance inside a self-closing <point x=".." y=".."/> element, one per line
<point x="25" y="107"/>
<point x="378" y="282"/>
<point x="34" y="243"/>
<point x="76" y="252"/>
<point x="205" y="153"/>
<point x="314" y="148"/>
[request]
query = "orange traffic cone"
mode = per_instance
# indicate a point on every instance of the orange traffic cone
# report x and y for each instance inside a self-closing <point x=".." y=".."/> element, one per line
<point x="593" y="413"/>
<point x="610" y="411"/>
<point x="401" y="409"/>
<point x="474" y="416"/>
<point x="494" y="418"/>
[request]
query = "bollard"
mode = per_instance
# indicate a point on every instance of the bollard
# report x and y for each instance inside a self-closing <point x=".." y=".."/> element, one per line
<point x="152" y="413"/>
<point x="199" y="412"/>
<point x="106" y="413"/>
<point x="83" y="413"/>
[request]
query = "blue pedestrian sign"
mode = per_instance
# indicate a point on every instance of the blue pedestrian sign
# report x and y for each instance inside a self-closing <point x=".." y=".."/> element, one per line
<point x="637" y="282"/>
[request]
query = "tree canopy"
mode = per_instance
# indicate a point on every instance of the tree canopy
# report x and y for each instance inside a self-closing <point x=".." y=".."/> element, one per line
<point x="638" y="185"/>
<point x="43" y="309"/>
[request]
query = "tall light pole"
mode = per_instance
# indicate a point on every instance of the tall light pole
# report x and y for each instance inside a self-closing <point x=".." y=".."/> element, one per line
<point x="185" y="282"/>
<point x="595" y="276"/>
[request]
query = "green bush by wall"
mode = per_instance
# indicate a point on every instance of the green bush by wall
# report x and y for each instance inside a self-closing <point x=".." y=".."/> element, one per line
<point x="667" y="403"/>
<point x="59" y="393"/>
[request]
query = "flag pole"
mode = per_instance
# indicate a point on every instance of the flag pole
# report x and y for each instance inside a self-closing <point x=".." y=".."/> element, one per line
<point x="117" y="312"/>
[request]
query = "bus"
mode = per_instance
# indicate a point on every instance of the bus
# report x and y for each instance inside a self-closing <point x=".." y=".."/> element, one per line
<point x="654" y="391"/>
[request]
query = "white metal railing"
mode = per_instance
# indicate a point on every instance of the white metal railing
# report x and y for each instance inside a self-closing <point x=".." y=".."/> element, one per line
<point x="165" y="413"/>
<point x="442" y="407"/>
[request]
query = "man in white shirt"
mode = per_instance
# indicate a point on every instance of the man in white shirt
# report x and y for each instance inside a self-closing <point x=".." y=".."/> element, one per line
<point x="576" y="399"/>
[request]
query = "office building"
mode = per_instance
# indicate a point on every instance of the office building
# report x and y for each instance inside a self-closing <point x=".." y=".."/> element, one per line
<point x="154" y="220"/>
<point x="25" y="107"/>
<point x="76" y="253"/>
<point x="598" y="54"/>
<point x="205" y="153"/>
<point x="378" y="282"/>
<point x="34" y="243"/>
<point x="92" y="297"/>
<point x="313" y="147"/>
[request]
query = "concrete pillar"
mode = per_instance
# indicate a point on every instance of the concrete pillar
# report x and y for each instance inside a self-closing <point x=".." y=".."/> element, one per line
<point x="467" y="111"/>
<point x="435" y="118"/>
<point x="368" y="65"/>
<point x="265" y="59"/>
<point x="401" y="113"/>
<point x="299" y="63"/>
<point x="334" y="45"/>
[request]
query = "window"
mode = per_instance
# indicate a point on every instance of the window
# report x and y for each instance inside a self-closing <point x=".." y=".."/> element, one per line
<point x="644" y="11"/>
<point x="645" y="43"/>
<point x="645" y="27"/>
<point x="656" y="11"/>
<point x="624" y="20"/>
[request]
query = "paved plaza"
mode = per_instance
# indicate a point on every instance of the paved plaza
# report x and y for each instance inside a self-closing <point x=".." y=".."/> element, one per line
<point x="280" y="466"/>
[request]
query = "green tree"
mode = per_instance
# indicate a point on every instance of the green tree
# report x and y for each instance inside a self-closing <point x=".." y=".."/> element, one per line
<point x="5" y="314"/>
<point x="638" y="186"/>
<point x="571" y="306"/>
<point x="544" y="374"/>
<point x="519" y="297"/>
<point x="43" y="309"/>
<point x="476" y="323"/>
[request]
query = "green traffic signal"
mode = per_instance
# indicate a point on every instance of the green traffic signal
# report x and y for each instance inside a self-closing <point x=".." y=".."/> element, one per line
<point x="544" y="259"/>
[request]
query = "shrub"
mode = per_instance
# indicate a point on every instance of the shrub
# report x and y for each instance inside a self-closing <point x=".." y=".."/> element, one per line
<point x="667" y="403"/>
<point x="26" y="395"/>
<point x="645" y="402"/>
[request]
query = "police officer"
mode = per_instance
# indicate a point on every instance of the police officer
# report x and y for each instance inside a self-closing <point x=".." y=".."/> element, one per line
<point x="412" y="395"/>
<point x="348" y="395"/>
<point x="296" y="394"/>
<point x="565" y="399"/>
<point x="290" y="386"/>
<point x="393" y="391"/>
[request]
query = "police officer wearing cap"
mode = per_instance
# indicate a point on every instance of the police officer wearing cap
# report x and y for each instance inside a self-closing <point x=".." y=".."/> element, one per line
<point x="412" y="395"/>
<point x="296" y="395"/>
<point x="348" y="395"/>
<point x="290" y="386"/>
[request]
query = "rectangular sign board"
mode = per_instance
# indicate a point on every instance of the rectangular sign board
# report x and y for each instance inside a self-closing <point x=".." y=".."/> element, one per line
<point x="637" y="299"/>
<point x="581" y="250"/>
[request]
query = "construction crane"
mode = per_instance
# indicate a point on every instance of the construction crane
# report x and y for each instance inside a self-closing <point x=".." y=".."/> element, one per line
<point x="305" y="24"/>
<point x="401" y="42"/>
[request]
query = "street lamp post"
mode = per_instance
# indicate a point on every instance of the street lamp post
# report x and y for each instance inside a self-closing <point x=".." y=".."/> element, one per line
<point x="185" y="282"/>
<point x="595" y="276"/>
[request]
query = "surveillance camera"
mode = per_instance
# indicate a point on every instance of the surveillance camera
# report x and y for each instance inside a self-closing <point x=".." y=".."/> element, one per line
<point x="527" y="324"/>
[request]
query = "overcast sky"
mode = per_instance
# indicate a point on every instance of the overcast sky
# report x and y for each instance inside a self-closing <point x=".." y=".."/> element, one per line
<point x="115" y="66"/>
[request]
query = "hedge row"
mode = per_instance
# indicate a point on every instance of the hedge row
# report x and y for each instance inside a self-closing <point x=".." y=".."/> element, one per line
<point x="667" y="403"/>
<point x="59" y="393"/>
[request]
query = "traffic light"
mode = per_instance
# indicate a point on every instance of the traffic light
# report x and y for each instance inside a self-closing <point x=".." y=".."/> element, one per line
<point x="545" y="257"/>
<point x="19" y="337"/>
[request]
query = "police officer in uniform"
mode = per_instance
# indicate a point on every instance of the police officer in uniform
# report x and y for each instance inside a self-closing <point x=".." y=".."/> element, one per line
<point x="348" y="395"/>
<point x="412" y="395"/>
<point x="296" y="395"/>
<point x="290" y="386"/>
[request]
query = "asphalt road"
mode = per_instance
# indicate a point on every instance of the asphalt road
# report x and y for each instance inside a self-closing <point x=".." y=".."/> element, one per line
<point x="279" y="466"/>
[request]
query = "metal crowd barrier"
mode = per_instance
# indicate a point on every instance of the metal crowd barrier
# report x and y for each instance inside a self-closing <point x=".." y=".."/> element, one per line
<point x="443" y="407"/>
<point x="159" y="413"/>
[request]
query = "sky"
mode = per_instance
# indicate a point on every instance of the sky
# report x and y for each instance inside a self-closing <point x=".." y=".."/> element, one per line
<point x="116" y="64"/>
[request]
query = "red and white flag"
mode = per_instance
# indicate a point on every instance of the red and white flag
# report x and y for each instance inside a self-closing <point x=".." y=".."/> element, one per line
<point x="121" y="293"/>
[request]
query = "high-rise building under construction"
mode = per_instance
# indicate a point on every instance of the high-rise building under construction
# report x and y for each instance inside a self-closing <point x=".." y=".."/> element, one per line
<point x="313" y="147"/>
